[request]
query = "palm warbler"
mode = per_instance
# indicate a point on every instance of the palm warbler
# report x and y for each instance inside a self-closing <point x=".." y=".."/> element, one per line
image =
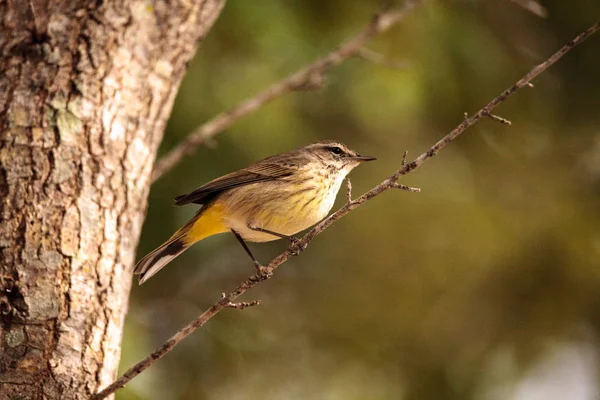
<point x="272" y="199"/>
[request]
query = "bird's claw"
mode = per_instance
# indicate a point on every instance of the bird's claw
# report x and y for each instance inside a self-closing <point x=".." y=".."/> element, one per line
<point x="295" y="248"/>
<point x="262" y="273"/>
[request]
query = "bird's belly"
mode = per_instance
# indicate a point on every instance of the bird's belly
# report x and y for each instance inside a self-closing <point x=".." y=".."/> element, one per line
<point x="288" y="217"/>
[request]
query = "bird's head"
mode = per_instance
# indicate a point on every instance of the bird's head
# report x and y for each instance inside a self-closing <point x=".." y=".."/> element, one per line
<point x="336" y="156"/>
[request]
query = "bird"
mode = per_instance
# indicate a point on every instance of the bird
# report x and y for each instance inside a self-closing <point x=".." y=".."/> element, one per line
<point x="272" y="199"/>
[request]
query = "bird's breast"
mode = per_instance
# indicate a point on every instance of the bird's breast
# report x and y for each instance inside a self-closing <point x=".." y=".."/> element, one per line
<point x="286" y="208"/>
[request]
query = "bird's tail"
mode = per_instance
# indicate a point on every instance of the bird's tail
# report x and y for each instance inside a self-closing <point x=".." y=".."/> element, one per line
<point x="159" y="257"/>
<point x="204" y="223"/>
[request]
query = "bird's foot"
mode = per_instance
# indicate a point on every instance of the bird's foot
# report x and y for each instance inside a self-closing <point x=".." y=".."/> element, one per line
<point x="262" y="273"/>
<point x="295" y="247"/>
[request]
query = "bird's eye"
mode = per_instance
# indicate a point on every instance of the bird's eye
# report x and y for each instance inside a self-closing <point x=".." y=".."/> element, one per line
<point x="336" y="150"/>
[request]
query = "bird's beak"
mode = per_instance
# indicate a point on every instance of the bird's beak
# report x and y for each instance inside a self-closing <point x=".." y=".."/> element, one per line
<point x="363" y="158"/>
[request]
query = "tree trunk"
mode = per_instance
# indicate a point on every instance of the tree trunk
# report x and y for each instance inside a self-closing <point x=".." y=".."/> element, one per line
<point x="86" y="87"/>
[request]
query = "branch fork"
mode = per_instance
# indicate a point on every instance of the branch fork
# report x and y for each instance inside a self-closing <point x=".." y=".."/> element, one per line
<point x="240" y="305"/>
<point x="497" y="118"/>
<point x="262" y="274"/>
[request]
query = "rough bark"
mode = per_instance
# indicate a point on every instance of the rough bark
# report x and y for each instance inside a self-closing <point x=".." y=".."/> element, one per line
<point x="86" y="87"/>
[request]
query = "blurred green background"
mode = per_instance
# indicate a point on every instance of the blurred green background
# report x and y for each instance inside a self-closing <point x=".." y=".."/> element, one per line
<point x="484" y="286"/>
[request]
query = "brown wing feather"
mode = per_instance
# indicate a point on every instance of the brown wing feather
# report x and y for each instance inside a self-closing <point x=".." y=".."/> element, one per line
<point x="255" y="173"/>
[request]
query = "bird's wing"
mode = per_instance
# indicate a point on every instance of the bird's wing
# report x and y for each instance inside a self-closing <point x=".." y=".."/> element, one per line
<point x="255" y="173"/>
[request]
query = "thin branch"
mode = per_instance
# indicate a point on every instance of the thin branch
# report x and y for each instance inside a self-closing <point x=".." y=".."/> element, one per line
<point x="243" y="304"/>
<point x="380" y="59"/>
<point x="532" y="6"/>
<point x="497" y="118"/>
<point x="387" y="184"/>
<point x="407" y="188"/>
<point x="348" y="191"/>
<point x="306" y="77"/>
<point x="315" y="81"/>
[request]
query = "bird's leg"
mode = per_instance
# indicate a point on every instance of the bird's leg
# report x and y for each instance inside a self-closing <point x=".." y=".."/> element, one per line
<point x="294" y="248"/>
<point x="262" y="271"/>
<point x="292" y="239"/>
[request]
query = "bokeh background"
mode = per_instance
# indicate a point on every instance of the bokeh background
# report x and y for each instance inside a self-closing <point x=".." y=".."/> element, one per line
<point x="484" y="286"/>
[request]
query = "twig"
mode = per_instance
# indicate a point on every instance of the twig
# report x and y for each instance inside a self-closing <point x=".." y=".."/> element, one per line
<point x="387" y="184"/>
<point x="348" y="191"/>
<point x="306" y="77"/>
<point x="376" y="58"/>
<point x="407" y="188"/>
<point x="315" y="81"/>
<point x="243" y="304"/>
<point x="532" y="6"/>
<point x="503" y="121"/>
<point x="404" y="158"/>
